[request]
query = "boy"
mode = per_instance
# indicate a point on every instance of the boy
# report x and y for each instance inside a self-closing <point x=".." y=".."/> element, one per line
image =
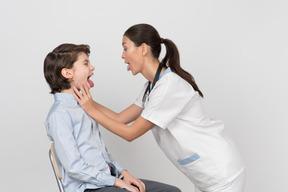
<point x="86" y="163"/>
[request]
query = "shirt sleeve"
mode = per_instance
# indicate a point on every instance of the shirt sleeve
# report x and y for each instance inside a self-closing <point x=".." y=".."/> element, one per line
<point x="61" y="130"/>
<point x="117" y="165"/>
<point x="167" y="99"/>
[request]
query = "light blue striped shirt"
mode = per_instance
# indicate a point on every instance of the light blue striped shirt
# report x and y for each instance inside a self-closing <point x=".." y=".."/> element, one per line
<point x="79" y="146"/>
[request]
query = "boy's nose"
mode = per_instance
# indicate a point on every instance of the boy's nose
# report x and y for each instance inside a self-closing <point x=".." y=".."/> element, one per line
<point x="92" y="68"/>
<point x="122" y="56"/>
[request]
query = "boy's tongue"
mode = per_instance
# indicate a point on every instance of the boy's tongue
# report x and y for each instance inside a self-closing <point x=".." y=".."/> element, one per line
<point x="90" y="83"/>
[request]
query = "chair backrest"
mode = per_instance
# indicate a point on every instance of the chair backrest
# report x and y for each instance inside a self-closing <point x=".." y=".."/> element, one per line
<point x="55" y="162"/>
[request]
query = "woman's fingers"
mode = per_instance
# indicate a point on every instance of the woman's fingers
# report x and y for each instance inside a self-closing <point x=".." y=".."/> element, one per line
<point x="83" y="96"/>
<point x="77" y="93"/>
<point x="84" y="90"/>
<point x="87" y="91"/>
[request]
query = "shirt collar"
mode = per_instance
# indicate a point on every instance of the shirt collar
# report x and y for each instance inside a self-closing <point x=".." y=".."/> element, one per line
<point x="168" y="70"/>
<point x="65" y="97"/>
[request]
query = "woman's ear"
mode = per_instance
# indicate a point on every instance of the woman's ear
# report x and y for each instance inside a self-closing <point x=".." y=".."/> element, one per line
<point x="66" y="73"/>
<point x="145" y="49"/>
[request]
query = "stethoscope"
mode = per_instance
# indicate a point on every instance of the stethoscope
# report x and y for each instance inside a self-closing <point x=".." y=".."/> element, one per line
<point x="149" y="88"/>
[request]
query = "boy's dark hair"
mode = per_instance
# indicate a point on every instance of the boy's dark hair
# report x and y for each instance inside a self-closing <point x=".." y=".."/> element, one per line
<point x="63" y="56"/>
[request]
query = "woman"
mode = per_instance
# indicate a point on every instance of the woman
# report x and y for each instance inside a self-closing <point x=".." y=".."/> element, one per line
<point x="170" y="104"/>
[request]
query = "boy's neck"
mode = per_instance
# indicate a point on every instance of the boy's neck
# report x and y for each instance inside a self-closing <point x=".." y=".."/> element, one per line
<point x="69" y="91"/>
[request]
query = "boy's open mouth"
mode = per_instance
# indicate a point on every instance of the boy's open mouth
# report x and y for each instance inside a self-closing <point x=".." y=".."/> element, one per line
<point x="90" y="81"/>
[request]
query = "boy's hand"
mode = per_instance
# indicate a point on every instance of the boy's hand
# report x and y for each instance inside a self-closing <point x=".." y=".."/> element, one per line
<point x="84" y="98"/>
<point x="133" y="181"/>
<point x="124" y="185"/>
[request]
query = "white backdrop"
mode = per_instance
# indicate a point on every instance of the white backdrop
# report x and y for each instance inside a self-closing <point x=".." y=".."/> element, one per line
<point x="236" y="50"/>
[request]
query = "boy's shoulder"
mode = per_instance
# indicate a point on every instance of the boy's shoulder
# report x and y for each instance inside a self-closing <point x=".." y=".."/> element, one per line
<point x="63" y="104"/>
<point x="64" y="101"/>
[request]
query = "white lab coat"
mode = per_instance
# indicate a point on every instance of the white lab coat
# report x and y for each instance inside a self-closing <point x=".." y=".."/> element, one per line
<point x="194" y="142"/>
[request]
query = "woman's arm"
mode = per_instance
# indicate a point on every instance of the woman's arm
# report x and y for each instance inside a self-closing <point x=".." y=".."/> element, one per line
<point x="126" y="116"/>
<point x="129" y="133"/>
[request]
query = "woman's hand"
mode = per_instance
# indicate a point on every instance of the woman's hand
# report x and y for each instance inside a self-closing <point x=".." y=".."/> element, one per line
<point x="133" y="181"/>
<point x="84" y="97"/>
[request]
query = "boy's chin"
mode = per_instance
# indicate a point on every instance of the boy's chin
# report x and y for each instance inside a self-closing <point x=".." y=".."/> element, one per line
<point x="89" y="86"/>
<point x="81" y="86"/>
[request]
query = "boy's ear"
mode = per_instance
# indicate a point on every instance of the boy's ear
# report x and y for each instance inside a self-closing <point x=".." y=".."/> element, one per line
<point x="66" y="73"/>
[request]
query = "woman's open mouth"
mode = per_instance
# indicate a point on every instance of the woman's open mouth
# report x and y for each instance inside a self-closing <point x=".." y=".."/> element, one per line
<point x="128" y="67"/>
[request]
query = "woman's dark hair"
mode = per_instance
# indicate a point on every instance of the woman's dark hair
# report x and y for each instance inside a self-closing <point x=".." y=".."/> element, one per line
<point x="63" y="56"/>
<point x="145" y="33"/>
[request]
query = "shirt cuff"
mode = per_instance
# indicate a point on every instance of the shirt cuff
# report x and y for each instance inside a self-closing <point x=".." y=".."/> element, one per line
<point x="119" y="168"/>
<point x="107" y="180"/>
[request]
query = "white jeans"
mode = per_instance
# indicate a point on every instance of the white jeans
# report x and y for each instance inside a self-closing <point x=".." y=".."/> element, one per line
<point x="237" y="185"/>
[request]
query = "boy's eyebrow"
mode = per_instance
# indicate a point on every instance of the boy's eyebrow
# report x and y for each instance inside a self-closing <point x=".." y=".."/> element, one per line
<point x="123" y="43"/>
<point x="86" y="60"/>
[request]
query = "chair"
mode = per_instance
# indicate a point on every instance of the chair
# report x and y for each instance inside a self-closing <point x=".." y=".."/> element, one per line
<point x="55" y="162"/>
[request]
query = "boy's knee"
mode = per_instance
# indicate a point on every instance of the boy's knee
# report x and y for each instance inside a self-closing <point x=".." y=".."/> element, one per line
<point x="176" y="189"/>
